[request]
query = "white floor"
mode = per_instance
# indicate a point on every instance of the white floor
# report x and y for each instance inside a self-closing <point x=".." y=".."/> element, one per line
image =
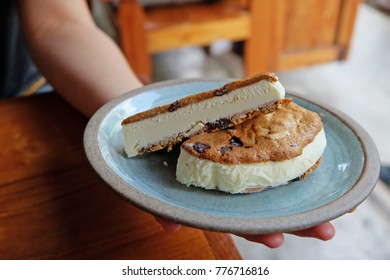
<point x="360" y="87"/>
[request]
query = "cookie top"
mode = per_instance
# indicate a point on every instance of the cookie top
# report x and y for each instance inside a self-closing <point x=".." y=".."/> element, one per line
<point x="270" y="136"/>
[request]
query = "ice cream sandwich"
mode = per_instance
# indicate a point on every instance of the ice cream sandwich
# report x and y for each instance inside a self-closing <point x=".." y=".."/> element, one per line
<point x="164" y="126"/>
<point x="269" y="150"/>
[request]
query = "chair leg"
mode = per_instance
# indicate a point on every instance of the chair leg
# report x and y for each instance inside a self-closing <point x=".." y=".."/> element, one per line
<point x="131" y="19"/>
<point x="261" y="49"/>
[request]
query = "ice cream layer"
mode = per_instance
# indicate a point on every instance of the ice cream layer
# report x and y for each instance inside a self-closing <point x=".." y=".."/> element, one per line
<point x="191" y="119"/>
<point x="237" y="178"/>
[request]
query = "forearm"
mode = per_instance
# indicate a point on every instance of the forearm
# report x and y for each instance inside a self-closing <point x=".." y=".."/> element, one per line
<point x="80" y="61"/>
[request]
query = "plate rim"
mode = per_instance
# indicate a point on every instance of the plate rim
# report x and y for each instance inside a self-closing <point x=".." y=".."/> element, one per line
<point x="239" y="225"/>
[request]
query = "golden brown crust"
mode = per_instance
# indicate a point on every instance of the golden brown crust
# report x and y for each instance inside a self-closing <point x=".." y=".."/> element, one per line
<point x="269" y="136"/>
<point x="199" y="97"/>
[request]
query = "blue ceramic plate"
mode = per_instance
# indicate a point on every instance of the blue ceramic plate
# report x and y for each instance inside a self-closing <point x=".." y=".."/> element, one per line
<point x="346" y="176"/>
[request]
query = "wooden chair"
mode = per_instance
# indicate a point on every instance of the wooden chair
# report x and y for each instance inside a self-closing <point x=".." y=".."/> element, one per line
<point x="277" y="35"/>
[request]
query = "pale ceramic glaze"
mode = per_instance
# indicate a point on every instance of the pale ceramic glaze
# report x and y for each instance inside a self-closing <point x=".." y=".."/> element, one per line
<point x="346" y="176"/>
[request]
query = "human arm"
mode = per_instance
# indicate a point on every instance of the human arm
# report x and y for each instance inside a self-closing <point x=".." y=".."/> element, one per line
<point x="79" y="60"/>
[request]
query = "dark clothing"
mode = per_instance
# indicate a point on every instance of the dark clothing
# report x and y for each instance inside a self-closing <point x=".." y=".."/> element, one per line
<point x="17" y="71"/>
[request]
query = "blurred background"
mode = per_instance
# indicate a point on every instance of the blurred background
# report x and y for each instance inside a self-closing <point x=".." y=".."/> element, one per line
<point x="337" y="51"/>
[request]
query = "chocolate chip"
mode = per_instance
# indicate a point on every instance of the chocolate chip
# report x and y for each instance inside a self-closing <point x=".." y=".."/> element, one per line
<point x="235" y="142"/>
<point x="200" y="147"/>
<point x="218" y="124"/>
<point x="221" y="91"/>
<point x="174" y="106"/>
<point x="225" y="149"/>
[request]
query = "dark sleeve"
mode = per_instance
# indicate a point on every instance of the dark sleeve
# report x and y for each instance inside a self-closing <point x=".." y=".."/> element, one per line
<point x="17" y="70"/>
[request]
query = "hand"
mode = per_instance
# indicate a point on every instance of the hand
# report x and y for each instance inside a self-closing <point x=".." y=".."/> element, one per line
<point x="168" y="225"/>
<point x="324" y="232"/>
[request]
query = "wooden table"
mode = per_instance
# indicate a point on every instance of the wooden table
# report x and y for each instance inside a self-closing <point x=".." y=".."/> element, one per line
<point x="54" y="206"/>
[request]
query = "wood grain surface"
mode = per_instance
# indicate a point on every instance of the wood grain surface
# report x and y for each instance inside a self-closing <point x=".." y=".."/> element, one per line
<point x="54" y="206"/>
<point x="277" y="35"/>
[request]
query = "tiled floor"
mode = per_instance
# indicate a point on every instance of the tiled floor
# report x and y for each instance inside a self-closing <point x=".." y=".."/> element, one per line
<point x="360" y="87"/>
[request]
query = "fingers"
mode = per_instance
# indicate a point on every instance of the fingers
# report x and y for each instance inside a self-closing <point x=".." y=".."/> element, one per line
<point x="274" y="240"/>
<point x="168" y="225"/>
<point x="324" y="232"/>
